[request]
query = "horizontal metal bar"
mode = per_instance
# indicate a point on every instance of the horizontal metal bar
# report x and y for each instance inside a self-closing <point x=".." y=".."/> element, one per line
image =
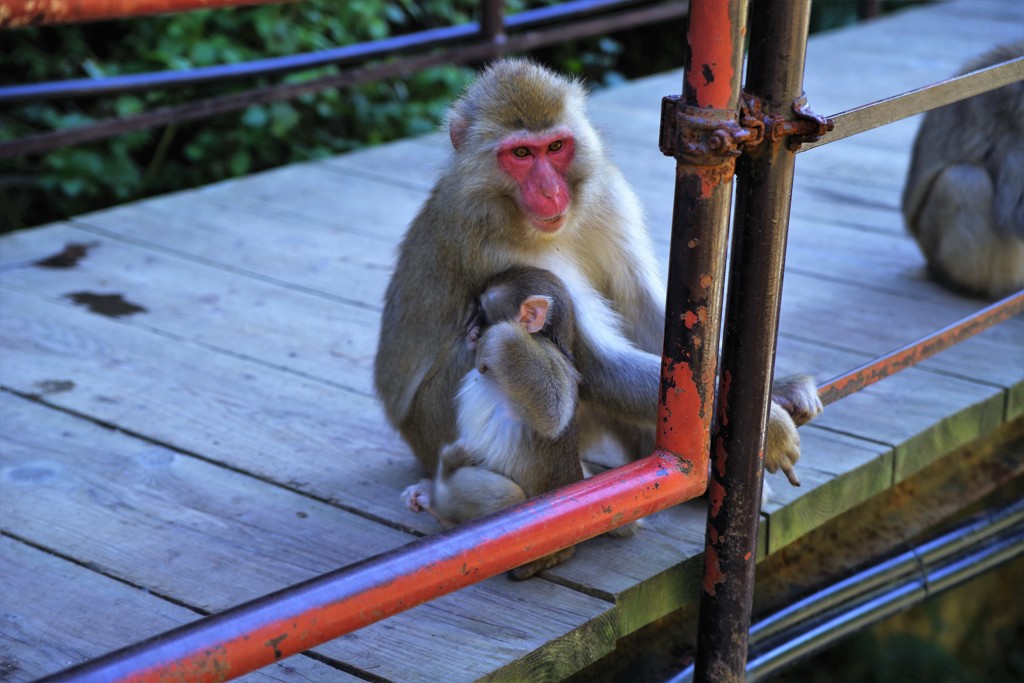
<point x="926" y="347"/>
<point x="349" y="54"/>
<point x="21" y="13"/>
<point x="258" y="633"/>
<point x="192" y="111"/>
<point x="876" y="114"/>
<point x="985" y="555"/>
<point x="872" y="594"/>
<point x="339" y="56"/>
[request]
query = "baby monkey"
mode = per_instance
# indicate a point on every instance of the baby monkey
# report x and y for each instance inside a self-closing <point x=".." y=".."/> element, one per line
<point x="516" y="409"/>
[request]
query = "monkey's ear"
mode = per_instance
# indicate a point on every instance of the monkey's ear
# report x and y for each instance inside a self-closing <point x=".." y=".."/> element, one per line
<point x="457" y="126"/>
<point x="533" y="313"/>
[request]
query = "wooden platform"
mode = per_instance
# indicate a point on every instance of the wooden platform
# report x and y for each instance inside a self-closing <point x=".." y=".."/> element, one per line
<point x="187" y="420"/>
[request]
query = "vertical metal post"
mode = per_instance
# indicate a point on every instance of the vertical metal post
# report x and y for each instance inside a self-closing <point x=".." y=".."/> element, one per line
<point x="697" y="129"/>
<point x="492" y="21"/>
<point x="778" y="38"/>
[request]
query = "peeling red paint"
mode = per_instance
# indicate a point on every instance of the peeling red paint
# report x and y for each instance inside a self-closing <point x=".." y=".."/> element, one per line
<point x="715" y="175"/>
<point x="712" y="571"/>
<point x="716" y="497"/>
<point x="680" y="422"/>
<point x="721" y="456"/>
<point x="723" y="397"/>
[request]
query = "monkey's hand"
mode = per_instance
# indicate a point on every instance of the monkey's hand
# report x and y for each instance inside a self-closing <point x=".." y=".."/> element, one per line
<point x="798" y="395"/>
<point x="782" y="446"/>
<point x="417" y="497"/>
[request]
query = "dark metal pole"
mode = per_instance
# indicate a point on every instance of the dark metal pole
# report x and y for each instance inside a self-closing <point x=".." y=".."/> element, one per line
<point x="778" y="37"/>
<point x="492" y="21"/>
<point x="700" y="130"/>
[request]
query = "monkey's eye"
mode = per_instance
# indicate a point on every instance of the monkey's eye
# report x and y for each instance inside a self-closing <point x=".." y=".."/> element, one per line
<point x="555" y="146"/>
<point x="521" y="152"/>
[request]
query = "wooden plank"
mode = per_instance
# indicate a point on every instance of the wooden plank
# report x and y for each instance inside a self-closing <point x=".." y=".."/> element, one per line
<point x="283" y="327"/>
<point x="223" y="434"/>
<point x="271" y="244"/>
<point x="210" y="538"/>
<point x="327" y="441"/>
<point x="668" y="549"/>
<point x="320" y="191"/>
<point x="413" y="162"/>
<point x="920" y="413"/>
<point x="58" y="614"/>
<point x="837" y="473"/>
<point x="646" y="576"/>
<point x="848" y="317"/>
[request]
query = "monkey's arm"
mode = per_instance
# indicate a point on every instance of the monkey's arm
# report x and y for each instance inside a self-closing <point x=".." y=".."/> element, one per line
<point x="620" y="379"/>
<point x="533" y="374"/>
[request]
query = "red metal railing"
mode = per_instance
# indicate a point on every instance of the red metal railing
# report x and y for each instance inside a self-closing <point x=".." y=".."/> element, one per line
<point x="245" y="638"/>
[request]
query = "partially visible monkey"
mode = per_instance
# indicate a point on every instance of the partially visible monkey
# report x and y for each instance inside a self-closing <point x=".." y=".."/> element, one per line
<point x="516" y="409"/>
<point x="964" y="197"/>
<point x="529" y="184"/>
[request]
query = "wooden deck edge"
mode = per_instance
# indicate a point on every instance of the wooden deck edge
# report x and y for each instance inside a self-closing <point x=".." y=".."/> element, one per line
<point x="973" y="440"/>
<point x="913" y="508"/>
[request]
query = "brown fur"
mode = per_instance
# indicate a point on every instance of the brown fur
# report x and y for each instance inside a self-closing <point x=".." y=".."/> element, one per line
<point x="472" y="227"/>
<point x="964" y="196"/>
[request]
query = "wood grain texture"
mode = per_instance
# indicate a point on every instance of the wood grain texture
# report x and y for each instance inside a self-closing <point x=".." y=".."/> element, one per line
<point x="58" y="614"/>
<point x="210" y="538"/>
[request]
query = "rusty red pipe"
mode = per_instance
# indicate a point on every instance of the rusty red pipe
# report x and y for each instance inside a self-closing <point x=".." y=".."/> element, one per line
<point x="707" y="108"/>
<point x="253" y="635"/>
<point x="19" y="13"/>
<point x="926" y="347"/>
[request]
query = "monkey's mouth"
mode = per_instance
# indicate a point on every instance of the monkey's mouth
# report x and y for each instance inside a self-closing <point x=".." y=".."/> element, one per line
<point x="549" y="224"/>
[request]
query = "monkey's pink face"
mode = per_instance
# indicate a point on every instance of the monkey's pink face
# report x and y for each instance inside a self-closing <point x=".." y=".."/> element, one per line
<point x="539" y="164"/>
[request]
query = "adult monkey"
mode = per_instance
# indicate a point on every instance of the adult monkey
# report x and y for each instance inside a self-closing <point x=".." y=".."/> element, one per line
<point x="529" y="185"/>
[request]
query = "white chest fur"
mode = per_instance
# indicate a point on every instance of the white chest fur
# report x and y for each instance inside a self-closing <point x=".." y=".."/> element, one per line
<point x="489" y="424"/>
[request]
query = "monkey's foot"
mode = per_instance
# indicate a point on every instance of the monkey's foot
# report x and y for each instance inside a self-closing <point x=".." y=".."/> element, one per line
<point x="782" y="447"/>
<point x="626" y="530"/>
<point x="417" y="496"/>
<point x="530" y="568"/>
<point x="798" y="395"/>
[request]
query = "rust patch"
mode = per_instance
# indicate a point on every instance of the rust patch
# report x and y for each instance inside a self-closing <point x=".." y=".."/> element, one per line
<point x="720" y="456"/>
<point x="68" y="257"/>
<point x="110" y="305"/>
<point x="274" y="642"/>
<point x="708" y="73"/>
<point x="716" y="497"/>
<point x="712" y="571"/>
<point x="712" y="176"/>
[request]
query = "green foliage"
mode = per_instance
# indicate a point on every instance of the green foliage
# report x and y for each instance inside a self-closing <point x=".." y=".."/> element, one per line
<point x="72" y="180"/>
